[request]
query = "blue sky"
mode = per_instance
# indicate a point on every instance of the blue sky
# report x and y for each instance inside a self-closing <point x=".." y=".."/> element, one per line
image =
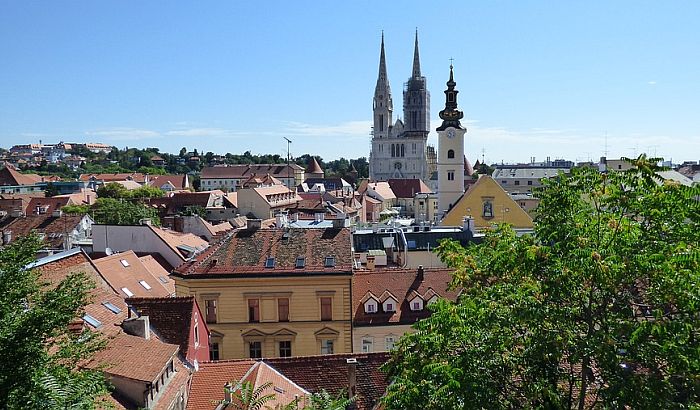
<point x="536" y="78"/>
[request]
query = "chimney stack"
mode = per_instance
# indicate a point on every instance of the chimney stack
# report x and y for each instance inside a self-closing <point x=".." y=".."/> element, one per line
<point x="370" y="262"/>
<point x="253" y="224"/>
<point x="352" y="377"/>
<point x="421" y="273"/>
<point x="137" y="326"/>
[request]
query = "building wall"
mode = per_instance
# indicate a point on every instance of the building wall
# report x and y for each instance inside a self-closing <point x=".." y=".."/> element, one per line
<point x="198" y="348"/>
<point x="503" y="208"/>
<point x="250" y="202"/>
<point x="232" y="294"/>
<point x="138" y="238"/>
<point x="378" y="335"/>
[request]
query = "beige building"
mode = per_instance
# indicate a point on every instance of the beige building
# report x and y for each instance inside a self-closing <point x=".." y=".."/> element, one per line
<point x="232" y="177"/>
<point x="386" y="302"/>
<point x="488" y="204"/>
<point x="264" y="202"/>
<point x="274" y="293"/>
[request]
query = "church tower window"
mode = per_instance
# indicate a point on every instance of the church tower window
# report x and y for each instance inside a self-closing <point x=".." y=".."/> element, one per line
<point x="403" y="152"/>
<point x="451" y="153"/>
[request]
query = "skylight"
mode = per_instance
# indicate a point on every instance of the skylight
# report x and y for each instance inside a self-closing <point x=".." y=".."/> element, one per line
<point x="145" y="285"/>
<point x="163" y="279"/>
<point x="92" y="321"/>
<point x="270" y="262"/>
<point x="330" y="262"/>
<point x="301" y="262"/>
<point x="113" y="308"/>
<point x="127" y="292"/>
<point x="124" y="263"/>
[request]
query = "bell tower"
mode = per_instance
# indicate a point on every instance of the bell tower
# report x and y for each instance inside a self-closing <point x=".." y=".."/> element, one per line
<point x="450" y="157"/>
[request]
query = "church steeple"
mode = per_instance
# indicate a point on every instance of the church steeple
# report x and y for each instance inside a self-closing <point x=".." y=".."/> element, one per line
<point x="382" y="79"/>
<point x="451" y="115"/>
<point x="416" y="59"/>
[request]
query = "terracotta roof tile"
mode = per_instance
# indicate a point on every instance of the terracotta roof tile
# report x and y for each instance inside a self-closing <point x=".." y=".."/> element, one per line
<point x="408" y="188"/>
<point x="135" y="176"/>
<point x="402" y="284"/>
<point x="171" y="317"/>
<point x="125" y="270"/>
<point x="208" y="383"/>
<point x="246" y="252"/>
<point x="178" y="241"/>
<point x="158" y="271"/>
<point x="244" y="171"/>
<point x="124" y="352"/>
<point x="177" y="181"/>
<point x="54" y="228"/>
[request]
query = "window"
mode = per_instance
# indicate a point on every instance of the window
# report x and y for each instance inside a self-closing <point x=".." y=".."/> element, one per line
<point x="196" y="335"/>
<point x="210" y="310"/>
<point x="529" y="182"/>
<point x="389" y="307"/>
<point x="127" y="292"/>
<point x="255" y="350"/>
<point x="487" y="210"/>
<point x="163" y="279"/>
<point x="124" y="263"/>
<point x="367" y="345"/>
<point x="450" y="153"/>
<point x="326" y="308"/>
<point x="253" y="310"/>
<point x="270" y="262"/>
<point x="286" y="348"/>
<point x="390" y="340"/>
<point x="417" y="304"/>
<point x="370" y="307"/>
<point x="327" y="346"/>
<point x="517" y="182"/>
<point x="301" y="262"/>
<point x="393" y="150"/>
<point x="145" y="285"/>
<point x="114" y="309"/>
<point x="381" y="122"/>
<point x="403" y="151"/>
<point x="450" y="175"/>
<point x="214" y="351"/>
<point x="283" y="309"/>
<point x="92" y="321"/>
<point x="329" y="262"/>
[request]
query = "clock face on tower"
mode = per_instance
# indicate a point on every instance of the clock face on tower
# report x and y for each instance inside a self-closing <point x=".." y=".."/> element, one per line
<point x="450" y="133"/>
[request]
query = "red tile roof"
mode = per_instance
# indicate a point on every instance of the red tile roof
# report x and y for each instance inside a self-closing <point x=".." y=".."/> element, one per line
<point x="245" y="171"/>
<point x="55" y="228"/>
<point x="208" y="383"/>
<point x="39" y="206"/>
<point x="403" y="284"/>
<point x="124" y="351"/>
<point x="154" y="265"/>
<point x="171" y="317"/>
<point x="177" y="181"/>
<point x="246" y="252"/>
<point x="130" y="276"/>
<point x="135" y="176"/>
<point x="313" y="167"/>
<point x="408" y="188"/>
<point x="10" y="176"/>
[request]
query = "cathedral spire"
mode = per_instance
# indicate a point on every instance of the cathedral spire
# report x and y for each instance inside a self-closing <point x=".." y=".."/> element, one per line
<point x="383" y="78"/>
<point x="451" y="115"/>
<point x="416" y="59"/>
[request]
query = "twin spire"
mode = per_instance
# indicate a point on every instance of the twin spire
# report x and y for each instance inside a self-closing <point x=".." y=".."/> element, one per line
<point x="383" y="79"/>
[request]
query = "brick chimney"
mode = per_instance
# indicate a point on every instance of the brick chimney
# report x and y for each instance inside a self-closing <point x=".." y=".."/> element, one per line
<point x="370" y="262"/>
<point x="421" y="273"/>
<point x="352" y="377"/>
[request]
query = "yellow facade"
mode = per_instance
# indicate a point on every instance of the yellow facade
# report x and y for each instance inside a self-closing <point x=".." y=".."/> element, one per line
<point x="308" y="334"/>
<point x="488" y="204"/>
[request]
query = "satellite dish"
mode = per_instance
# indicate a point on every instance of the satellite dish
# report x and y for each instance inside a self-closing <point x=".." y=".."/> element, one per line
<point x="109" y="251"/>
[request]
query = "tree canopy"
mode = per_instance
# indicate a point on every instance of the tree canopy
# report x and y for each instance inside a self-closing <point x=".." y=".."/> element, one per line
<point x="598" y="309"/>
<point x="39" y="354"/>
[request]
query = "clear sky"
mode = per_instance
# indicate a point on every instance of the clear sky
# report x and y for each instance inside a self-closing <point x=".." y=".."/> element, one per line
<point x="536" y="78"/>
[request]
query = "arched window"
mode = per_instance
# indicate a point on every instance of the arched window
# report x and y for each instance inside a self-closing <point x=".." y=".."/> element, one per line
<point x="450" y="153"/>
<point x="403" y="152"/>
<point x="393" y="150"/>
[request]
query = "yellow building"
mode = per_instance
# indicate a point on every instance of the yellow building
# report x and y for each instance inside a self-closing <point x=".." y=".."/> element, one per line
<point x="274" y="293"/>
<point x="488" y="204"/>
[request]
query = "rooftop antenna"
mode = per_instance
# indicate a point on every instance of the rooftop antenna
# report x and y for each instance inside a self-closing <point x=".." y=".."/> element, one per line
<point x="605" y="152"/>
<point x="288" y="142"/>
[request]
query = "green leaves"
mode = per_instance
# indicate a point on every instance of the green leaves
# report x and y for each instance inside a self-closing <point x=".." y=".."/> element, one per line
<point x="599" y="307"/>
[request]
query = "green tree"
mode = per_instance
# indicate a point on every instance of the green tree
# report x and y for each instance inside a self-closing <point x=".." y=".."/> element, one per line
<point x="122" y="212"/>
<point x="113" y="190"/>
<point x="598" y="310"/>
<point x="39" y="355"/>
<point x="76" y="209"/>
<point x="51" y="190"/>
<point x="147" y="191"/>
<point x="326" y="401"/>
<point x="246" y="397"/>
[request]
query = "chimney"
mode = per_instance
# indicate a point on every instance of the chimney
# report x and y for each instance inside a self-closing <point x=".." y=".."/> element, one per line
<point x="253" y="224"/>
<point x="281" y="220"/>
<point x="468" y="225"/>
<point x="137" y="326"/>
<point x="370" y="262"/>
<point x="6" y="237"/>
<point x="352" y="377"/>
<point x="421" y="273"/>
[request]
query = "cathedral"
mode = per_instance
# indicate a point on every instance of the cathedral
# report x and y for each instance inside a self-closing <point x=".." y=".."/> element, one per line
<point x="400" y="149"/>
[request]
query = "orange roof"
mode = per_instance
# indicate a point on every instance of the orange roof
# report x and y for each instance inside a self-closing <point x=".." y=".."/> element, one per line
<point x="181" y="243"/>
<point x="159" y="272"/>
<point x="125" y="272"/>
<point x="313" y="167"/>
<point x="124" y="351"/>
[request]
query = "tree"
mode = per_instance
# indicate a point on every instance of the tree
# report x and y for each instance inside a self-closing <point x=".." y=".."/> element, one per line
<point x="112" y="211"/>
<point x="246" y="397"/>
<point x="147" y="191"/>
<point x="51" y="190"/>
<point x="598" y="309"/>
<point x="325" y="401"/>
<point x="39" y="354"/>
<point x="113" y="190"/>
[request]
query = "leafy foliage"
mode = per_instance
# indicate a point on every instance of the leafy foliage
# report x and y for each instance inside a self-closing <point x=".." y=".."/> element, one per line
<point x="323" y="400"/>
<point x="39" y="355"/>
<point x="598" y="309"/>
<point x="247" y="397"/>
<point x="122" y="212"/>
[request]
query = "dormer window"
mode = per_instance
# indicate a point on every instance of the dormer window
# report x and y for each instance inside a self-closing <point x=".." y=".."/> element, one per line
<point x="416" y="304"/>
<point x="270" y="262"/>
<point x="371" y="306"/>
<point x="389" y="305"/>
<point x="300" y="263"/>
<point x="329" y="262"/>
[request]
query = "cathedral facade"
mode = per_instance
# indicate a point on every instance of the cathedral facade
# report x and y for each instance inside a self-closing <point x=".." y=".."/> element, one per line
<point x="400" y="149"/>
